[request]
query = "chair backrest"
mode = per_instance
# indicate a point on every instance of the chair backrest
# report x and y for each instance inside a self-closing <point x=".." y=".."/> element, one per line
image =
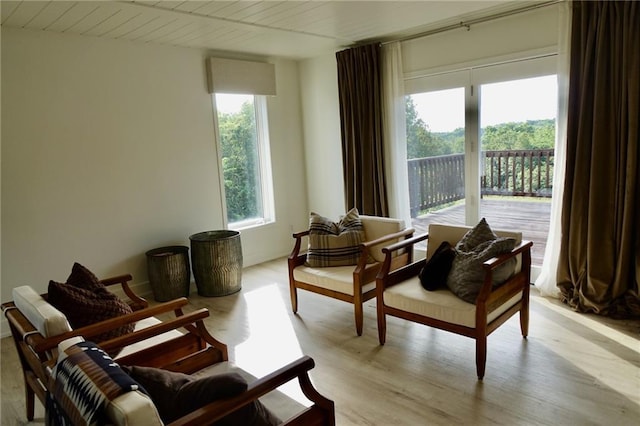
<point x="439" y="233"/>
<point x="376" y="227"/>
<point x="48" y="320"/>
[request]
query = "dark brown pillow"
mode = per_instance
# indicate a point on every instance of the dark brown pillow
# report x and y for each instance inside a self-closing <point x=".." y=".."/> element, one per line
<point x="176" y="394"/>
<point x="84" y="307"/>
<point x="434" y="273"/>
<point x="81" y="277"/>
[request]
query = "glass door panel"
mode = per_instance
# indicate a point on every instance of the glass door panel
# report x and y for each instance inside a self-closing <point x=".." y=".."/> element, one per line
<point x="517" y="121"/>
<point x="435" y="123"/>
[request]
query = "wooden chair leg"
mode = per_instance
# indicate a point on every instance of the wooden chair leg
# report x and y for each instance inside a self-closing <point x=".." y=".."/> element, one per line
<point x="382" y="324"/>
<point x="29" y="397"/>
<point x="294" y="297"/>
<point x="524" y="320"/>
<point x="359" y="315"/>
<point x="481" y="355"/>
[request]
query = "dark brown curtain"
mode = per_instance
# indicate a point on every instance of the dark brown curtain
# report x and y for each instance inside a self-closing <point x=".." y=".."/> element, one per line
<point x="360" y="94"/>
<point x="599" y="265"/>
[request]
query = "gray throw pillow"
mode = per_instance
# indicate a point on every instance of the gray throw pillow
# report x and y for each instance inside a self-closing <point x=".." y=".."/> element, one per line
<point x="475" y="236"/>
<point x="467" y="275"/>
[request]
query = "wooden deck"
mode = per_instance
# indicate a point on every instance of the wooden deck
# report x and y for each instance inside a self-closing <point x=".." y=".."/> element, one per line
<point x="530" y="216"/>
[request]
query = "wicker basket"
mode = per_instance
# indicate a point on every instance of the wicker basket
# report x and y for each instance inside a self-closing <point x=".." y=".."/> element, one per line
<point x="216" y="257"/>
<point x="169" y="272"/>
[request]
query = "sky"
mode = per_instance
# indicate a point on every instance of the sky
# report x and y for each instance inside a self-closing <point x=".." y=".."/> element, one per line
<point x="231" y="103"/>
<point x="518" y="100"/>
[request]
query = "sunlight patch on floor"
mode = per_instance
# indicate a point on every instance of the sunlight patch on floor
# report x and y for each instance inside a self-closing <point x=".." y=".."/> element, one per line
<point x="603" y="329"/>
<point x="272" y="342"/>
<point x="594" y="359"/>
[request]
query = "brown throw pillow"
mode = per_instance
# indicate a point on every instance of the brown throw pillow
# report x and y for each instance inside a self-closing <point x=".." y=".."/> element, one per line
<point x="81" y="277"/>
<point x="85" y="300"/>
<point x="84" y="307"/>
<point x="176" y="394"/>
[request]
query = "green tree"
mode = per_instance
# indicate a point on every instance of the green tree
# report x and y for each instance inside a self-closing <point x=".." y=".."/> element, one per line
<point x="421" y="142"/>
<point x="533" y="134"/>
<point x="239" y="162"/>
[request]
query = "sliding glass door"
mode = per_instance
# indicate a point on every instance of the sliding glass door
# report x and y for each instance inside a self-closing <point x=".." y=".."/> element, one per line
<point x="480" y="144"/>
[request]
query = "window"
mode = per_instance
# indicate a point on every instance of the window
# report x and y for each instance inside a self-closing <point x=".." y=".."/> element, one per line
<point x="480" y="143"/>
<point x="243" y="143"/>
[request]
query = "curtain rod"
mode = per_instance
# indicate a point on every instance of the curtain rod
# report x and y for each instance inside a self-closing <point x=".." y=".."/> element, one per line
<point x="467" y="24"/>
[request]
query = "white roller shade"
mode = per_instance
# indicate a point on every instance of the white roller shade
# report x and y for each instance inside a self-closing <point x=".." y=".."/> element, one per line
<point x="241" y="77"/>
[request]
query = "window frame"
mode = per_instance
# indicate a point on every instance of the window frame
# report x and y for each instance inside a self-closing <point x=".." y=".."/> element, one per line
<point x="265" y="189"/>
<point x="471" y="78"/>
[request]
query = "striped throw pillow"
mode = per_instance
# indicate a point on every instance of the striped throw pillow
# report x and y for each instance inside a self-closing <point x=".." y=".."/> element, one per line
<point x="335" y="244"/>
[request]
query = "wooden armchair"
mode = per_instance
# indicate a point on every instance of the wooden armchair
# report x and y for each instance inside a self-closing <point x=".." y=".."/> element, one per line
<point x="352" y="284"/>
<point x="400" y="294"/>
<point x="181" y="344"/>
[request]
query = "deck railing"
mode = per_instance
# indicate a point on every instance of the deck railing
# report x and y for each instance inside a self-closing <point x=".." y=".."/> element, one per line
<point x="435" y="181"/>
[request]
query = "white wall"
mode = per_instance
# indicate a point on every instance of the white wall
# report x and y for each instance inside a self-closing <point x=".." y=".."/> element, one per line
<point x="322" y="140"/>
<point x="504" y="38"/>
<point x="108" y="151"/>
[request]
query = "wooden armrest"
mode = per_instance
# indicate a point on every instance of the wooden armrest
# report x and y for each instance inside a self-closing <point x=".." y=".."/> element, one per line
<point x="389" y="237"/>
<point x="494" y="262"/>
<point x="41" y="344"/>
<point x="137" y="301"/>
<point x="295" y="253"/>
<point x="402" y="269"/>
<point x="218" y="409"/>
<point x="154" y="330"/>
<point x="403" y="244"/>
<point x="495" y="296"/>
<point x="299" y="235"/>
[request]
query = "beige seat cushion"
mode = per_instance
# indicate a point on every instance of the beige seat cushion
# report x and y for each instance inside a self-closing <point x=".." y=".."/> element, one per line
<point x="336" y="278"/>
<point x="441" y="304"/>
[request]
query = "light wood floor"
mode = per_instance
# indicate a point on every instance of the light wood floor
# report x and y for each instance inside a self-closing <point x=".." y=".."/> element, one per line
<point x="573" y="369"/>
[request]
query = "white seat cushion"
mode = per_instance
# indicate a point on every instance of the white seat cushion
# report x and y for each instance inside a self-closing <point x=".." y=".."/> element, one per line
<point x="48" y="320"/>
<point x="441" y="304"/>
<point x="336" y="278"/>
<point x="147" y="322"/>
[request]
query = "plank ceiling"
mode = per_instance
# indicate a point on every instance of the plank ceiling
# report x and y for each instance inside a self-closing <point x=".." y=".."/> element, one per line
<point x="292" y="29"/>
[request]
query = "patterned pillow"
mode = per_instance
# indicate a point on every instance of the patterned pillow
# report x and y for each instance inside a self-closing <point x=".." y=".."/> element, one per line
<point x="467" y="275"/>
<point x="85" y="300"/>
<point x="335" y="244"/>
